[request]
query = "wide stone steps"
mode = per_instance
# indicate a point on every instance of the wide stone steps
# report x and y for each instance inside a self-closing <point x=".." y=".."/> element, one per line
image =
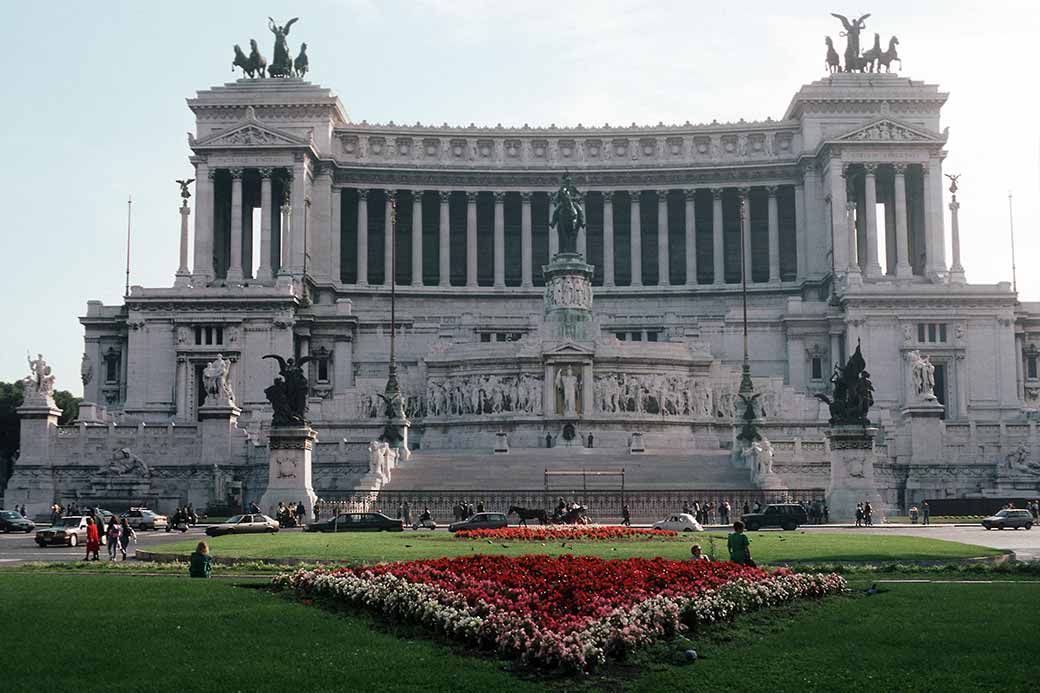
<point x="524" y="468"/>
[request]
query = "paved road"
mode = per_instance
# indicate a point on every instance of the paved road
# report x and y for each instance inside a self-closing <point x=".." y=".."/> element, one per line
<point x="1025" y="544"/>
<point x="20" y="548"/>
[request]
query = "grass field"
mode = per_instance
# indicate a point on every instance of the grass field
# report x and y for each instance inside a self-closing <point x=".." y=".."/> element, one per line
<point x="124" y="633"/>
<point x="766" y="547"/>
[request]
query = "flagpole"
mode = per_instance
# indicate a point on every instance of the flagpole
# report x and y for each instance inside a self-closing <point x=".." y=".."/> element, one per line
<point x="1011" y="225"/>
<point x="129" y="203"/>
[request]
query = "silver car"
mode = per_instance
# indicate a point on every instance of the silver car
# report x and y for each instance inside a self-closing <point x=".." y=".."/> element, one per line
<point x="1009" y="518"/>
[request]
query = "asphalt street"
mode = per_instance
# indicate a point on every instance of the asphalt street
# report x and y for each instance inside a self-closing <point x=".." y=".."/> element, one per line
<point x="17" y="547"/>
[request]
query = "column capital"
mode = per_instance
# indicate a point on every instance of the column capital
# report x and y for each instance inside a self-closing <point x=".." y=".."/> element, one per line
<point x="844" y="170"/>
<point x="744" y="191"/>
<point x="266" y="172"/>
<point x="417" y="196"/>
<point x="809" y="168"/>
<point x="690" y="193"/>
<point x="362" y="193"/>
<point x="525" y="197"/>
<point x="288" y="175"/>
<point x="870" y="169"/>
<point x="662" y="195"/>
<point x="716" y="193"/>
<point x="954" y="205"/>
<point x="236" y="172"/>
<point x="924" y="170"/>
<point x="500" y="196"/>
<point x="471" y="197"/>
<point x="390" y="193"/>
<point x="212" y="174"/>
<point x="899" y="169"/>
<point x="633" y="195"/>
<point x="771" y="190"/>
<point x="445" y="196"/>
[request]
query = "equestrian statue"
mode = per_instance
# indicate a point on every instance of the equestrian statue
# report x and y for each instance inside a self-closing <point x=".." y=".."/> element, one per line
<point x="568" y="215"/>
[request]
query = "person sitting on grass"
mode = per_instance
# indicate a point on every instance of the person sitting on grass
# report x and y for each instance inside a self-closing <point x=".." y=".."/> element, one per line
<point x="695" y="553"/>
<point x="739" y="545"/>
<point x="201" y="564"/>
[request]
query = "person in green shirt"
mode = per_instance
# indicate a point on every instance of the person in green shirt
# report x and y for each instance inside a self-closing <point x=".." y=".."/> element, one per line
<point x="739" y="545"/>
<point x="200" y="565"/>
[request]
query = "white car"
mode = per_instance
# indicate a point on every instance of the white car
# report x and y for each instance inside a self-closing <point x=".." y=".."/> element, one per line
<point x="680" y="522"/>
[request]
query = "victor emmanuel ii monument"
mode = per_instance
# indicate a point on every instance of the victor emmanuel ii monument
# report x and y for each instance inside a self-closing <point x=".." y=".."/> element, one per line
<point x="571" y="286"/>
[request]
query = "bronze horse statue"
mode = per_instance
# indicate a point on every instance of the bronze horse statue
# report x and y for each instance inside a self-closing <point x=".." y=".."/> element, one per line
<point x="833" y="60"/>
<point x="253" y="64"/>
<point x="526" y="514"/>
<point x="889" y="55"/>
<point x="871" y="57"/>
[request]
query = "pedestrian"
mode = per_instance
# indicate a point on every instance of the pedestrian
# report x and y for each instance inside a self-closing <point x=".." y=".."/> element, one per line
<point x="868" y="513"/>
<point x="859" y="514"/>
<point x="695" y="553"/>
<point x="201" y="565"/>
<point x="913" y="514"/>
<point x="317" y="511"/>
<point x="739" y="545"/>
<point x="125" y="536"/>
<point x="113" y="533"/>
<point x="253" y="507"/>
<point x="407" y="514"/>
<point x="480" y="506"/>
<point x="926" y="513"/>
<point x="626" y="516"/>
<point x="93" y="541"/>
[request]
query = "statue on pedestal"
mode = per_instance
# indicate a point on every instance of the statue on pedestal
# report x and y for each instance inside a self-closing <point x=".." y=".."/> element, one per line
<point x="568" y="215"/>
<point x="853" y="61"/>
<point x="568" y="384"/>
<point x="281" y="63"/>
<point x="853" y="392"/>
<point x="215" y="381"/>
<point x="39" y="384"/>
<point x="922" y="372"/>
<point x="288" y="394"/>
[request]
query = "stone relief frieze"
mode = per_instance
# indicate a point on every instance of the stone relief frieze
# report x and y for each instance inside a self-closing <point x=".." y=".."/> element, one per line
<point x="568" y="291"/>
<point x="674" y="395"/>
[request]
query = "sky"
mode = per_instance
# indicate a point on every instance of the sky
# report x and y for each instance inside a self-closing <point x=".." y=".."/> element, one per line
<point x="95" y="110"/>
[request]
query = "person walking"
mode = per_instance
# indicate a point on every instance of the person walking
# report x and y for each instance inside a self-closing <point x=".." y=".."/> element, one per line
<point x="859" y="514"/>
<point x="201" y="564"/>
<point x="93" y="541"/>
<point x="739" y="545"/>
<point x="626" y="516"/>
<point x="113" y="534"/>
<point x="926" y="513"/>
<point x="125" y="536"/>
<point x="868" y="515"/>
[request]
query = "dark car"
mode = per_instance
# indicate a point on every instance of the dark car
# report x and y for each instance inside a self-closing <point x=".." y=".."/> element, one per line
<point x="1010" y="518"/>
<point x="481" y="521"/>
<point x="358" y="522"/>
<point x="11" y="521"/>
<point x="784" y="515"/>
<point x="255" y="523"/>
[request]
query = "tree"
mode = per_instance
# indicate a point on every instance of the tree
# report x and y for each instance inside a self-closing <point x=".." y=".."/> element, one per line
<point x="10" y="427"/>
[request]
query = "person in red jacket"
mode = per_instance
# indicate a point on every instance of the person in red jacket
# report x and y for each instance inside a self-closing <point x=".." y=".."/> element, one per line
<point x="93" y="541"/>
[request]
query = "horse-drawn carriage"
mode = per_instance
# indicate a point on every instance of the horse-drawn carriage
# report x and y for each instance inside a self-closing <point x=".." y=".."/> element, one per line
<point x="568" y="515"/>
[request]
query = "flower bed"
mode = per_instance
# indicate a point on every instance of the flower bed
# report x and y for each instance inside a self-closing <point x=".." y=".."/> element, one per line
<point x="570" y="612"/>
<point x="565" y="532"/>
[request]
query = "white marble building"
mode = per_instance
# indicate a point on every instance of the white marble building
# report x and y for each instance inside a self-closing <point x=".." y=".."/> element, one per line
<point x="292" y="227"/>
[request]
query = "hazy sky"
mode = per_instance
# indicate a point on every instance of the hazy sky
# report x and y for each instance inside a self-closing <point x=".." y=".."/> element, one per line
<point x="94" y="109"/>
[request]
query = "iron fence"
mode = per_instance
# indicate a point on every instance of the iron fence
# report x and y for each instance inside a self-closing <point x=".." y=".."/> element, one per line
<point x="604" y="506"/>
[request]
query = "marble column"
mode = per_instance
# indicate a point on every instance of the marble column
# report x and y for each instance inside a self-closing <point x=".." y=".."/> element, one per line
<point x="444" y="234"/>
<point x="525" y="239"/>
<point x="183" y="276"/>
<point x="362" y="237"/>
<point x="691" y="236"/>
<point x="935" y="238"/>
<point x="500" y="238"/>
<point x="549" y="392"/>
<point x="587" y="389"/>
<point x="608" y="238"/>
<point x="745" y="230"/>
<point x="903" y="268"/>
<point x="839" y="216"/>
<point x="718" y="249"/>
<point x="873" y="268"/>
<point x="234" y="271"/>
<point x="203" y="265"/>
<point x="285" y="248"/>
<point x="336" y="234"/>
<point x="471" y="239"/>
<point x="319" y="261"/>
<point x="299" y="215"/>
<point x="956" y="270"/>
<point x="636" y="244"/>
<point x="417" y="249"/>
<point x="800" y="230"/>
<point x="774" y="236"/>
<point x="388" y="236"/>
<point x="264" y="272"/>
<point x="663" y="275"/>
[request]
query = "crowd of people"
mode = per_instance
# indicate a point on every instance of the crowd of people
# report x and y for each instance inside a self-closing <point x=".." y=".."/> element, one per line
<point x="864" y="514"/>
<point x="118" y="535"/>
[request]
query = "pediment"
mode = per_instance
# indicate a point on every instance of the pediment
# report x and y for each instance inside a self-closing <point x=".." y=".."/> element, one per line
<point x="568" y="349"/>
<point x="250" y="132"/>
<point x="888" y="131"/>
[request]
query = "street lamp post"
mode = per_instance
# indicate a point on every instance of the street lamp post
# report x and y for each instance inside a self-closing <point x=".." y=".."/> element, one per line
<point x="395" y="431"/>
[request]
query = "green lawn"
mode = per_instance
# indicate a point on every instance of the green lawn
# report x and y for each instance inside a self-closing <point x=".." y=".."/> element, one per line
<point x="123" y="633"/>
<point x="766" y="547"/>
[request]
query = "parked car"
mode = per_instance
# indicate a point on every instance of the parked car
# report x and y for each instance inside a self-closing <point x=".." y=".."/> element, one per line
<point x="11" y="521"/>
<point x="244" y="524"/>
<point x="787" y="516"/>
<point x="358" y="522"/>
<point x="143" y="518"/>
<point x="1010" y="518"/>
<point x="481" y="521"/>
<point x="679" y="522"/>
<point x="68" y="531"/>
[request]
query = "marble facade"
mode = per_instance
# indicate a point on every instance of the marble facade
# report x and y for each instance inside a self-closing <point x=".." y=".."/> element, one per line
<point x="290" y="236"/>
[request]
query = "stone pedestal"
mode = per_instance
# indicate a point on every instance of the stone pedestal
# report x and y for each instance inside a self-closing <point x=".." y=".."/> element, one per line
<point x="568" y="297"/>
<point x="289" y="471"/>
<point x="924" y="419"/>
<point x="32" y="483"/>
<point x="218" y="424"/>
<point x="852" y="472"/>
